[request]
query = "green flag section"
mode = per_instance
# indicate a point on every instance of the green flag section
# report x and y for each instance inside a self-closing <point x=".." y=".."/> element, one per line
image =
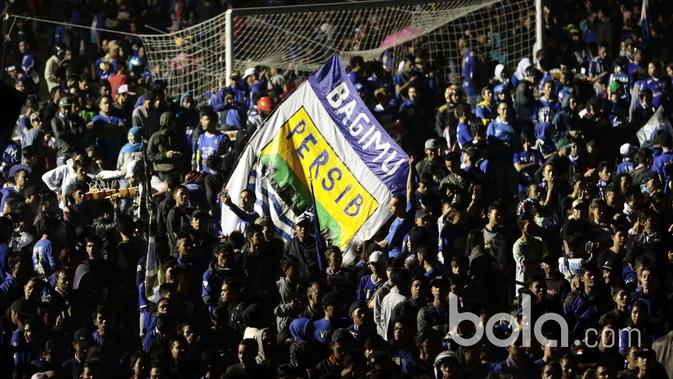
<point x="298" y="154"/>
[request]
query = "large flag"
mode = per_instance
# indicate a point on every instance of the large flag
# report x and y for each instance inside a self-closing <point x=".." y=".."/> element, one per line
<point x="656" y="122"/>
<point x="323" y="131"/>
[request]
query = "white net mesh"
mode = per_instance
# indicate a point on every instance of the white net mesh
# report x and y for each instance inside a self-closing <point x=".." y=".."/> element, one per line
<point x="304" y="37"/>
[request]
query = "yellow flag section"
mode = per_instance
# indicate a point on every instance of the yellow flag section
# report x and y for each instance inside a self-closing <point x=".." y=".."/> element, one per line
<point x="299" y="153"/>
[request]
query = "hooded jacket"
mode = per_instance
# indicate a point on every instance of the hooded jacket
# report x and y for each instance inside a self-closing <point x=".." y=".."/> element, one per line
<point x="166" y="139"/>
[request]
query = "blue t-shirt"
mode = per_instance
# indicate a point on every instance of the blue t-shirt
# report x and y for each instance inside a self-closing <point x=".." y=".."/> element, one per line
<point x="663" y="165"/>
<point x="468" y="73"/>
<point x="625" y="167"/>
<point x="44" y="261"/>
<point x="546" y="110"/>
<point x="323" y="330"/>
<point x="398" y="229"/>
<point x="657" y="86"/>
<point x="366" y="290"/>
<point x="207" y="146"/>
<point x="464" y="135"/>
<point x="500" y="131"/>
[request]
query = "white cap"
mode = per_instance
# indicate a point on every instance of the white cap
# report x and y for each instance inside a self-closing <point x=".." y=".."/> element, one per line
<point x="248" y="71"/>
<point x="498" y="70"/>
<point x="626" y="149"/>
<point x="124" y="88"/>
<point x="376" y="257"/>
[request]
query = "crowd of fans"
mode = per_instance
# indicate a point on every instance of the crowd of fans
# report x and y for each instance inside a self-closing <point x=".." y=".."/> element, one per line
<point x="535" y="193"/>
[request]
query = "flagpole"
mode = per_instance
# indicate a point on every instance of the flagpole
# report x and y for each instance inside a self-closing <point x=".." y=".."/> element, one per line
<point x="316" y="226"/>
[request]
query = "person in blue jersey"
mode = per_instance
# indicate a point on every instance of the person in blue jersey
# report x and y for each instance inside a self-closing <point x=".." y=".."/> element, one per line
<point x="618" y="105"/>
<point x="44" y="251"/>
<point x="210" y="142"/>
<point x="370" y="283"/>
<point x="485" y="110"/>
<point x="526" y="161"/>
<point x="324" y="328"/>
<point x="663" y="164"/>
<point x="19" y="179"/>
<point x="501" y="130"/>
<point x="463" y="129"/>
<point x="599" y="68"/>
<point x="502" y="137"/>
<point x="403" y="209"/>
<point x="469" y="67"/>
<point x="627" y="165"/>
<point x="619" y="75"/>
<point x="657" y="84"/>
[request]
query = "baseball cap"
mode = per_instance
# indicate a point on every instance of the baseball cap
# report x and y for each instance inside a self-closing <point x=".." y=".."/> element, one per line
<point x="431" y="144"/>
<point x="124" y="88"/>
<point x="577" y="203"/>
<point x="626" y="149"/>
<point x="249" y="71"/>
<point x="438" y="281"/>
<point x="451" y="156"/>
<point x="610" y="263"/>
<point x="377" y="257"/>
<point x="420" y="213"/>
<point x="446" y="354"/>
<point x="18" y="167"/>
<point x="471" y="152"/>
<point x="562" y="142"/>
<point x="614" y="86"/>
<point x="200" y="213"/>
<point x="341" y="335"/>
<point x="34" y="116"/>
<point x="355" y="305"/>
<point x="65" y="101"/>
<point x="82" y="336"/>
<point x="500" y="88"/>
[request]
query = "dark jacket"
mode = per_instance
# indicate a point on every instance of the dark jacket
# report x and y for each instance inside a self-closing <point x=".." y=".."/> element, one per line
<point x="70" y="133"/>
<point x="168" y="138"/>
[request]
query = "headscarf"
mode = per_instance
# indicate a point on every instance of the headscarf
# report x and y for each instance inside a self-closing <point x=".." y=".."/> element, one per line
<point x="137" y="146"/>
<point x="520" y="72"/>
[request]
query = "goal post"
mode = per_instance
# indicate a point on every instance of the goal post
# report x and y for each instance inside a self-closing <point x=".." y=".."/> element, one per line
<point x="199" y="59"/>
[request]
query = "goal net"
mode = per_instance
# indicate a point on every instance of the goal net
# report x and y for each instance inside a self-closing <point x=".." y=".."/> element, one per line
<point x="304" y="37"/>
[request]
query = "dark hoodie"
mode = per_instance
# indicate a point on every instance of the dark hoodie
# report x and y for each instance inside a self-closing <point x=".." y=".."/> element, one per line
<point x="166" y="139"/>
<point x="189" y="119"/>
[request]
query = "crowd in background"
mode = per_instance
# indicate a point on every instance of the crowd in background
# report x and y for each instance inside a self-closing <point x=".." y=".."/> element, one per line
<point x="536" y="189"/>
